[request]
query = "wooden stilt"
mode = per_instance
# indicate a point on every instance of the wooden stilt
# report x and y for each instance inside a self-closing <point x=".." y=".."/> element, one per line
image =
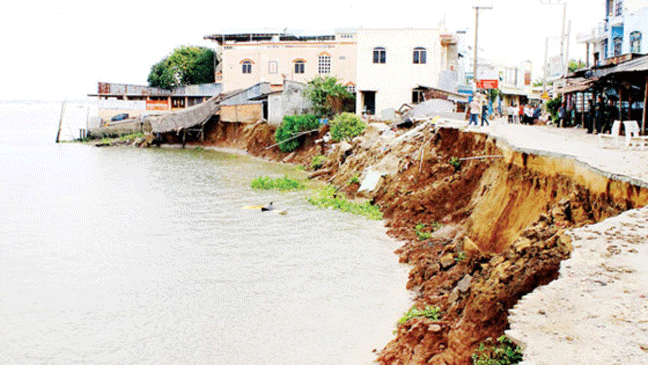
<point x="58" y="134"/>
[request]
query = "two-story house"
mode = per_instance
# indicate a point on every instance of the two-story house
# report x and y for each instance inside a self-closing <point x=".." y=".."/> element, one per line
<point x="622" y="32"/>
<point x="249" y="58"/>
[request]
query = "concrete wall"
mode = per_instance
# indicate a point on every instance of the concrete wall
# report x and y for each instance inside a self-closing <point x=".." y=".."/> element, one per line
<point x="636" y="21"/>
<point x="274" y="62"/>
<point x="395" y="80"/>
<point x="245" y="113"/>
<point x="290" y="101"/>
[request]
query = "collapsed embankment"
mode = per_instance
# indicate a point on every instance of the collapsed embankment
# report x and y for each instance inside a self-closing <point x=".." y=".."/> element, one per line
<point x="490" y="228"/>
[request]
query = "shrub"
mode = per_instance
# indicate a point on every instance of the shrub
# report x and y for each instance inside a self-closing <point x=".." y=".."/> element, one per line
<point x="322" y="91"/>
<point x="506" y="353"/>
<point x="317" y="162"/>
<point x="346" y="126"/>
<point x="290" y="127"/>
<point x="283" y="183"/>
<point x="433" y="313"/>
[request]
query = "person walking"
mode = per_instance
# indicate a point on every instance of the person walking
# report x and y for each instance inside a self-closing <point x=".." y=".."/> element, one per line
<point x="474" y="111"/>
<point x="484" y="117"/>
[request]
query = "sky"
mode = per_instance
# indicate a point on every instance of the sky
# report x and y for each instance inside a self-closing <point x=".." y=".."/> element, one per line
<point x="57" y="50"/>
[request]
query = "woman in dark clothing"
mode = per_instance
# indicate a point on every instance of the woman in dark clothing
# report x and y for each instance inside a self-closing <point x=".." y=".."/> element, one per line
<point x="599" y="116"/>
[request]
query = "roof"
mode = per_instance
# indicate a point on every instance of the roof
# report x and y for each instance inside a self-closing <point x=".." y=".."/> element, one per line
<point x="576" y="85"/>
<point x="270" y="35"/>
<point x="186" y="118"/>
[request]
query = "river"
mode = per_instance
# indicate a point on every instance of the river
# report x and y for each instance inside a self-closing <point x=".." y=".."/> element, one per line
<point x="146" y="256"/>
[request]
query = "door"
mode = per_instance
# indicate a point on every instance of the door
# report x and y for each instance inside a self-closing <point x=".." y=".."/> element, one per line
<point x="369" y="101"/>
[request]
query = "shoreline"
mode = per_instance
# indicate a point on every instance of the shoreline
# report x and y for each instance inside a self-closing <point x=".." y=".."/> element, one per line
<point x="505" y="223"/>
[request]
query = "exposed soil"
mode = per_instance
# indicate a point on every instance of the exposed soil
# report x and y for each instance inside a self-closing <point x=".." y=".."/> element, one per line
<point x="499" y="221"/>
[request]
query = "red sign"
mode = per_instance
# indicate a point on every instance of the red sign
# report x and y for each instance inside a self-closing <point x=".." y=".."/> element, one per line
<point x="487" y="84"/>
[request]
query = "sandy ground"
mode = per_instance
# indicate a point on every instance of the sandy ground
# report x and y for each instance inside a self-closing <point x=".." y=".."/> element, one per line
<point x="596" y="312"/>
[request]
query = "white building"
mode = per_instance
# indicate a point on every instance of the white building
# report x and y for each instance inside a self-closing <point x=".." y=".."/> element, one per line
<point x="397" y="66"/>
<point x="249" y="58"/>
<point x="622" y="32"/>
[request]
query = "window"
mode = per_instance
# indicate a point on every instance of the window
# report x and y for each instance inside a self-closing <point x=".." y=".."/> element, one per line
<point x="420" y="55"/>
<point x="618" y="43"/>
<point x="324" y="64"/>
<point x="379" y="55"/>
<point x="247" y="67"/>
<point x="351" y="88"/>
<point x="619" y="8"/>
<point x="635" y="42"/>
<point x="273" y="67"/>
<point x="417" y="96"/>
<point x="300" y="67"/>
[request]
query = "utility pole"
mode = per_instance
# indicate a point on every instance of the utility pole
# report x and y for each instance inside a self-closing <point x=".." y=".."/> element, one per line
<point x="477" y="8"/>
<point x="546" y="66"/>
<point x="562" y="39"/>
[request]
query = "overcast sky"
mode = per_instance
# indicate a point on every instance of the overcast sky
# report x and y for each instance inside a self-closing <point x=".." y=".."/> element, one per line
<point x="60" y="49"/>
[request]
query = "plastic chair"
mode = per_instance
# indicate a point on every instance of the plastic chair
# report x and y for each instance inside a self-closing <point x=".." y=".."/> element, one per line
<point x="632" y="136"/>
<point x="614" y="135"/>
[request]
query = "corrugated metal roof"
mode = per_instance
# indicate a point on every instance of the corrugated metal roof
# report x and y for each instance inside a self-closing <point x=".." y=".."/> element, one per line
<point x="186" y="118"/>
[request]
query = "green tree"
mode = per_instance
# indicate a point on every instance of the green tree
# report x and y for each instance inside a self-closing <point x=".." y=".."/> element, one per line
<point x="574" y="65"/>
<point x="187" y="65"/>
<point x="327" y="95"/>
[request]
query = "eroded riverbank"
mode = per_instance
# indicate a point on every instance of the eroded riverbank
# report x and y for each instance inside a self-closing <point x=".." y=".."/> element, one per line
<point x="479" y="234"/>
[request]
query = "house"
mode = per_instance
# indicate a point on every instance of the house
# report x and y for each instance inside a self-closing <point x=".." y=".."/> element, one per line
<point x="249" y="58"/>
<point x="135" y="100"/>
<point x="513" y="79"/>
<point x="620" y="35"/>
<point x="399" y="66"/>
<point x="261" y="102"/>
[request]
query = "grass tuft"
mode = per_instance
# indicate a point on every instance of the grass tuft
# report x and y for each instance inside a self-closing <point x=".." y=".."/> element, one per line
<point x="282" y="183"/>
<point x="330" y="198"/>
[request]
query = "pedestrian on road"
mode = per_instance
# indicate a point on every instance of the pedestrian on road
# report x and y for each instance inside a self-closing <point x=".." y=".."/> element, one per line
<point x="474" y="111"/>
<point x="511" y="112"/>
<point x="589" y="117"/>
<point x="599" y="117"/>
<point x="484" y="117"/>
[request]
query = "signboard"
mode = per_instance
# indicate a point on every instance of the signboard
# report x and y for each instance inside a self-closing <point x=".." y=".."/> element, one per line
<point x="157" y="105"/>
<point x="488" y="84"/>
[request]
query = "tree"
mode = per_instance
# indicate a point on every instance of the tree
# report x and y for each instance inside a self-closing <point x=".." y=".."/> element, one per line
<point x="574" y="65"/>
<point x="327" y="95"/>
<point x="187" y="65"/>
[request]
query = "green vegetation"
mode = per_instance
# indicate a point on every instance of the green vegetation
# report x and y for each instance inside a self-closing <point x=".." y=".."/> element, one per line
<point x="433" y="313"/>
<point x="506" y="353"/>
<point x="187" y="65"/>
<point x="424" y="234"/>
<point x="329" y="198"/>
<point x="455" y="163"/>
<point x="328" y="96"/>
<point x="552" y="106"/>
<point x="317" y="162"/>
<point x="132" y="136"/>
<point x="461" y="256"/>
<point x="346" y="126"/>
<point x="355" y="179"/>
<point x="282" y="183"/>
<point x="290" y="127"/>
